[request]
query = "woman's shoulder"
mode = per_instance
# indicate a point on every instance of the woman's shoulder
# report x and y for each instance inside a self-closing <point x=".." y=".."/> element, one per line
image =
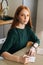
<point x="29" y="29"/>
<point x="12" y="31"/>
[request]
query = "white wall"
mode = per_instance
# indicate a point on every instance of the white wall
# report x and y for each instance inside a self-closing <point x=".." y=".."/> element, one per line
<point x="32" y="4"/>
<point x="39" y="26"/>
<point x="13" y="4"/>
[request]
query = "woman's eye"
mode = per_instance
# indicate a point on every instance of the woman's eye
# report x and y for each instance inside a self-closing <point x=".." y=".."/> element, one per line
<point x="27" y="15"/>
<point x="22" y="15"/>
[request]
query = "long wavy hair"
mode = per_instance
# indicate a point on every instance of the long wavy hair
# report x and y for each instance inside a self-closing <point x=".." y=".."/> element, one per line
<point x="16" y="20"/>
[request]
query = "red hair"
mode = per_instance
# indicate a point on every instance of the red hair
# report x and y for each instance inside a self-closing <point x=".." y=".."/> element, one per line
<point x="15" y="20"/>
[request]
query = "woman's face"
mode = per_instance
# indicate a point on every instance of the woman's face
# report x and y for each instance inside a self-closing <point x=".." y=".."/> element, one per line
<point x="24" y="16"/>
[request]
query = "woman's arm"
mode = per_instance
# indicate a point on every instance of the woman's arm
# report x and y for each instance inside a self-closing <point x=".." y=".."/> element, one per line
<point x="16" y="58"/>
<point x="29" y="44"/>
<point x="32" y="47"/>
<point x="10" y="57"/>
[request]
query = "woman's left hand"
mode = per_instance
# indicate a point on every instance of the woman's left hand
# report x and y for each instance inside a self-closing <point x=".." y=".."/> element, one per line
<point x="32" y="51"/>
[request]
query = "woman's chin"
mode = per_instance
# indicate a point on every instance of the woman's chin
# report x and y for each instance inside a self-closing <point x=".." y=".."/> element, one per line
<point x="25" y="23"/>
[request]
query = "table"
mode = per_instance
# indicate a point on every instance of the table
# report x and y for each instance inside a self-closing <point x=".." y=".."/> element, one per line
<point x="39" y="59"/>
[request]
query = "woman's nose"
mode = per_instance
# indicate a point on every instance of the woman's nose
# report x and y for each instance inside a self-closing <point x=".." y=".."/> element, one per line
<point x="25" y="17"/>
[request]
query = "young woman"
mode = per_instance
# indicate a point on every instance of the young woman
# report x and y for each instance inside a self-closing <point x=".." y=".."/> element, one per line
<point x="19" y="35"/>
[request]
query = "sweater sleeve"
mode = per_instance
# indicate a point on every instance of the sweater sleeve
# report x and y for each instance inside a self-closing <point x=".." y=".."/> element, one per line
<point x="34" y="38"/>
<point x="11" y="38"/>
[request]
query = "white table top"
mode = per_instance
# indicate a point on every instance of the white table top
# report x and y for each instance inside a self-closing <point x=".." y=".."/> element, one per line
<point x="39" y="59"/>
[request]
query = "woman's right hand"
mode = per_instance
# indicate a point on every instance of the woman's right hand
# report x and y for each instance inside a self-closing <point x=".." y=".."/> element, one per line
<point x="23" y="60"/>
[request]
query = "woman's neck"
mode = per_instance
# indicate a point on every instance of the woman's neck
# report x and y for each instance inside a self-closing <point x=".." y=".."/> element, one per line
<point x="21" y="26"/>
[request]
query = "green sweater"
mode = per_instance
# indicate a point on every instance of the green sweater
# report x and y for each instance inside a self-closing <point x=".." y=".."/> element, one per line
<point x="18" y="38"/>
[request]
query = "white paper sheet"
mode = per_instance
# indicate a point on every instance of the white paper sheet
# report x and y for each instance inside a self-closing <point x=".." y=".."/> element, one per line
<point x="40" y="51"/>
<point x="30" y="58"/>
